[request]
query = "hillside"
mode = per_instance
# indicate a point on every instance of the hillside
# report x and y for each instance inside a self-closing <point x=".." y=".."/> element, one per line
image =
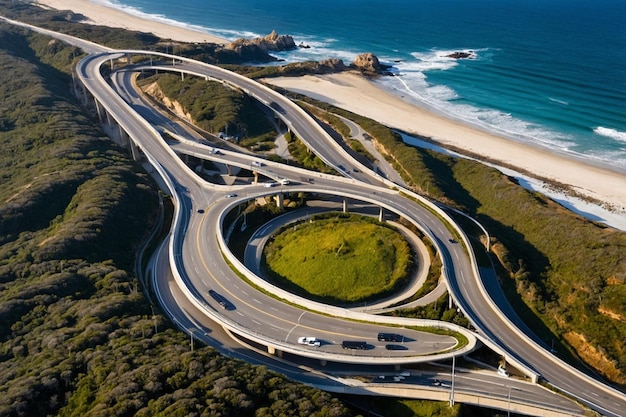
<point x="77" y="336"/>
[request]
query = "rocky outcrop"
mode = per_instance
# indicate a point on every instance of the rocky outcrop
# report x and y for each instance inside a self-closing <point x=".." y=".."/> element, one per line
<point x="367" y="62"/>
<point x="462" y="55"/>
<point x="271" y="42"/>
<point x="153" y="90"/>
<point x="257" y="49"/>
<point x="275" y="42"/>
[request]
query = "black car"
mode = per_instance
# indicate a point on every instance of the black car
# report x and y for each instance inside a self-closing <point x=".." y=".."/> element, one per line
<point x="390" y="337"/>
<point x="220" y="299"/>
<point x="396" y="347"/>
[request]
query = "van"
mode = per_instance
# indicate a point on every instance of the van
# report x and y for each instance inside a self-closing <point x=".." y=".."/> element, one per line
<point x="390" y="337"/>
<point x="353" y="344"/>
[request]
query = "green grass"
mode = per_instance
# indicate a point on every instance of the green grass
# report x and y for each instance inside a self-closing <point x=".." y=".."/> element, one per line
<point x="345" y="259"/>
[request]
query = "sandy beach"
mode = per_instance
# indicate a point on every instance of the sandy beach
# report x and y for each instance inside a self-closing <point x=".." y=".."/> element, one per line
<point x="109" y="16"/>
<point x="359" y="95"/>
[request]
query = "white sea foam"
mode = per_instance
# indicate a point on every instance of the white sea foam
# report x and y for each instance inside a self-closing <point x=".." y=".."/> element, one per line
<point x="610" y="133"/>
<point x="441" y="99"/>
<point x="319" y="50"/>
<point x="556" y="100"/>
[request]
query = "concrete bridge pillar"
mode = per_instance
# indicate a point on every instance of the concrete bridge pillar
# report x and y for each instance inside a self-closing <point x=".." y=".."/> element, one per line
<point x="271" y="350"/>
<point x="134" y="150"/>
<point x="122" y="135"/>
<point x="279" y="200"/>
<point x="99" y="111"/>
<point x="381" y="215"/>
<point x="345" y="205"/>
<point x="83" y="96"/>
<point x="229" y="170"/>
<point x="109" y="120"/>
<point x="256" y="177"/>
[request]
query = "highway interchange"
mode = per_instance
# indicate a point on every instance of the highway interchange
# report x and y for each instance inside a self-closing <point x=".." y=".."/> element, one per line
<point x="192" y="254"/>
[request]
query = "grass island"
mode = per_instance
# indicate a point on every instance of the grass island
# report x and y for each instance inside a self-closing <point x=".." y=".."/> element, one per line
<point x="339" y="258"/>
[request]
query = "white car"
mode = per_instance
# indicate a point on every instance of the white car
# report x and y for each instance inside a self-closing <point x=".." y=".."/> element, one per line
<point x="309" y="341"/>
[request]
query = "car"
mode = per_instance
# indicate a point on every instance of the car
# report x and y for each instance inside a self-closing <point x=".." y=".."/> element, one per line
<point x="230" y="195"/>
<point x="220" y="299"/>
<point x="270" y="184"/>
<point x="396" y="347"/>
<point x="390" y="337"/>
<point x="452" y="241"/>
<point x="256" y="164"/>
<point x="437" y="383"/>
<point x="284" y="181"/>
<point x="502" y="371"/>
<point x="200" y="211"/>
<point x="309" y="341"/>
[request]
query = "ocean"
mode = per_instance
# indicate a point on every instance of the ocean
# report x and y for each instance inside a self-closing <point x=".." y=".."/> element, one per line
<point x="545" y="72"/>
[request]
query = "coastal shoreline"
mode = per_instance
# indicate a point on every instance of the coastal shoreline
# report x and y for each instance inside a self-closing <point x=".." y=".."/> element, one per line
<point x="99" y="14"/>
<point x="362" y="96"/>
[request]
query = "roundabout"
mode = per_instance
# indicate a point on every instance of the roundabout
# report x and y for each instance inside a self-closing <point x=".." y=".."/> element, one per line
<point x="421" y="343"/>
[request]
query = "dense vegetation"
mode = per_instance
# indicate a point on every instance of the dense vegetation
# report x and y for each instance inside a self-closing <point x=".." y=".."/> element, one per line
<point x="77" y="335"/>
<point x="215" y="108"/>
<point x="65" y="21"/>
<point x="339" y="258"/>
<point x="303" y="155"/>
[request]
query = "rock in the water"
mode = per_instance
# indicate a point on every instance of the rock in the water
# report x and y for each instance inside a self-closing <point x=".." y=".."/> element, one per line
<point x="462" y="55"/>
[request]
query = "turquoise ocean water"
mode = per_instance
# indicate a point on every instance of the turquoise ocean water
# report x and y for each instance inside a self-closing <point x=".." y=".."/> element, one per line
<point x="548" y="72"/>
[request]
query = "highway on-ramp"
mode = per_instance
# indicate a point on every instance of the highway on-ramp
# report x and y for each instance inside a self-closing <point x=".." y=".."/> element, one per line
<point x="464" y="282"/>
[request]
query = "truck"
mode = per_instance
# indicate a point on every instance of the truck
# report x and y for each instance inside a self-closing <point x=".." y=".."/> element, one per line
<point x="353" y="344"/>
